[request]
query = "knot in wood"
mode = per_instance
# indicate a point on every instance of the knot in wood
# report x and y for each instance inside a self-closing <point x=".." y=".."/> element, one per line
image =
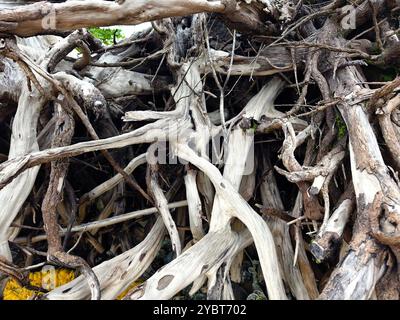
<point x="8" y="44"/>
<point x="2" y="43"/>
<point x="287" y="10"/>
<point x="230" y="5"/>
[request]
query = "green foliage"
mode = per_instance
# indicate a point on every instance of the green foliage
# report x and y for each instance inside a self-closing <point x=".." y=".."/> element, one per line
<point x="107" y="35"/>
<point x="381" y="73"/>
<point x="257" y="295"/>
<point x="341" y="125"/>
<point x="375" y="49"/>
<point x="249" y="124"/>
<point x="390" y="74"/>
<point x="254" y="126"/>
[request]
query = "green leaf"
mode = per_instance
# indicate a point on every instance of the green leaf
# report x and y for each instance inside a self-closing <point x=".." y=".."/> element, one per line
<point x="341" y="125"/>
<point x="107" y="35"/>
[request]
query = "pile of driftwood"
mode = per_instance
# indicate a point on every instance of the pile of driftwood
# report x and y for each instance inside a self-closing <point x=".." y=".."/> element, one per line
<point x="233" y="148"/>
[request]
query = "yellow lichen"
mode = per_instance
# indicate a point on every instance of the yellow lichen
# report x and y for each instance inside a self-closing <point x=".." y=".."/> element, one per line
<point x="131" y="286"/>
<point x="47" y="278"/>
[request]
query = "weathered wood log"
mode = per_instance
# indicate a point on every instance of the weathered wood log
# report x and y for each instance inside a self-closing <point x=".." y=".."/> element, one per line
<point x="329" y="237"/>
<point x="23" y="141"/>
<point x="46" y="17"/>
<point x="271" y="198"/>
<point x="115" y="275"/>
<point x="370" y="177"/>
